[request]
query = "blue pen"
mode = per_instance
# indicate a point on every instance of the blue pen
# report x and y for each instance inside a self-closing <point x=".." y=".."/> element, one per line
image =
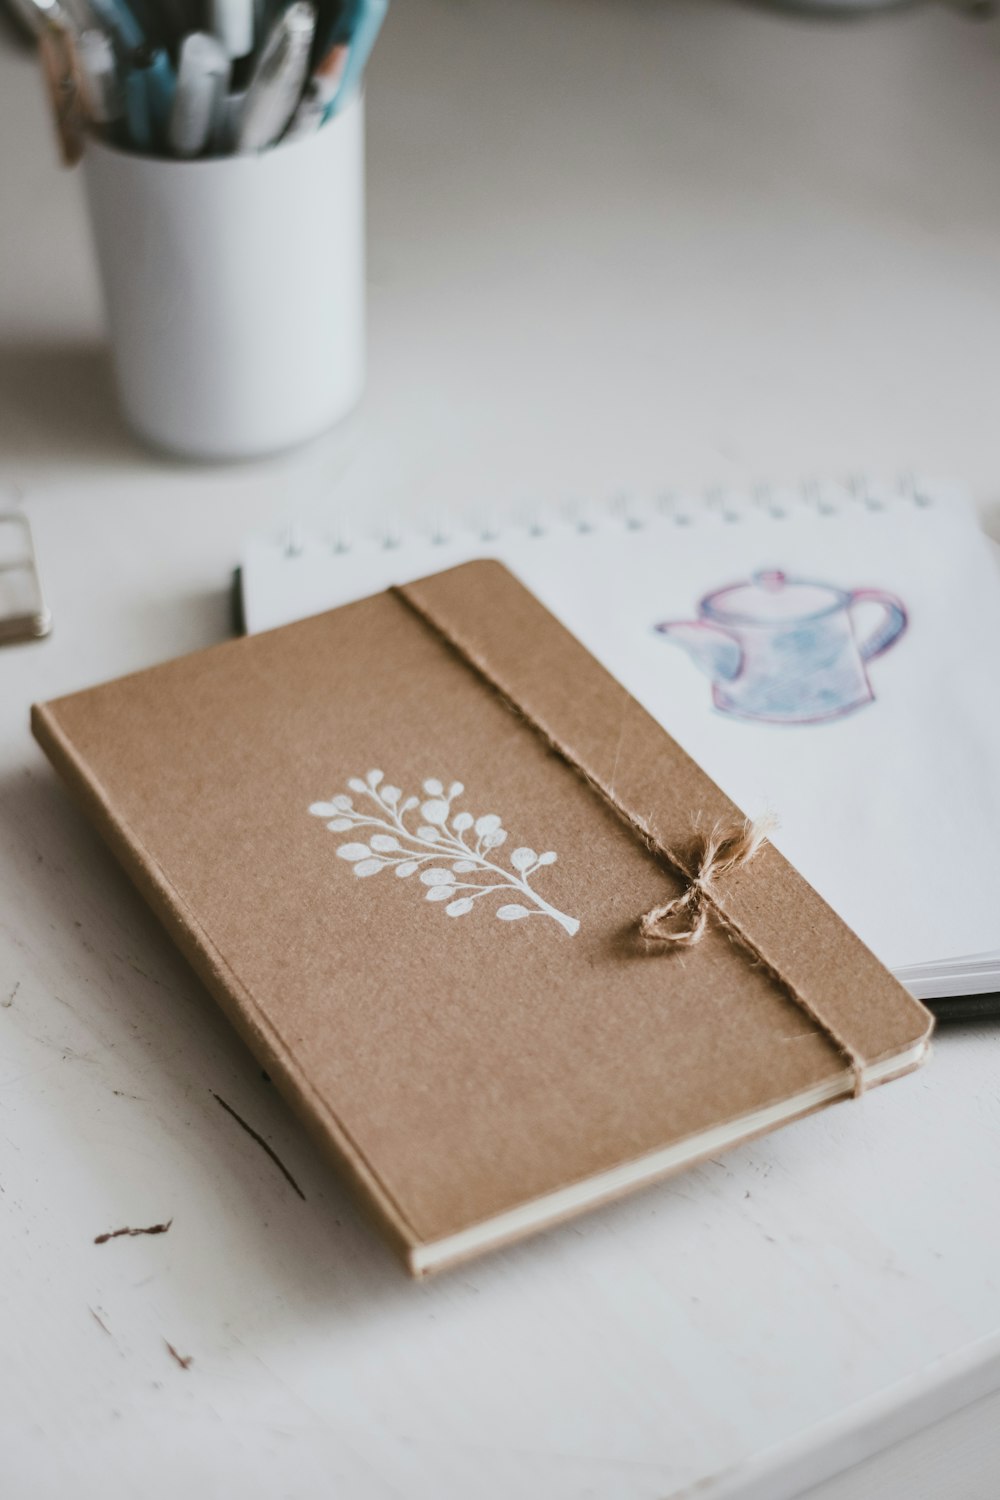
<point x="119" y="20"/>
<point x="367" y="17"/>
<point x="138" y="120"/>
<point x="149" y="93"/>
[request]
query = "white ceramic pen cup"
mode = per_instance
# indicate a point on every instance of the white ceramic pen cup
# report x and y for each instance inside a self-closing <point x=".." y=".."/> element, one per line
<point x="235" y="289"/>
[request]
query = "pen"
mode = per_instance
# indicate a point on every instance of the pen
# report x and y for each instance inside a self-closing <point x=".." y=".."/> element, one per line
<point x="62" y="81"/>
<point x="149" y="90"/>
<point x="38" y="14"/>
<point x="320" y="93"/>
<point x="227" y="123"/>
<point x="138" y="117"/>
<point x="103" y="95"/>
<point x="278" y="78"/>
<point x="119" y="20"/>
<point x="202" y="75"/>
<point x="368" y="17"/>
<point x="74" y="15"/>
<point x="232" y="21"/>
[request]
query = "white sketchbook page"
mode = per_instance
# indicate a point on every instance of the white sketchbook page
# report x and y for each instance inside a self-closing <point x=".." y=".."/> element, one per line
<point x="886" y="810"/>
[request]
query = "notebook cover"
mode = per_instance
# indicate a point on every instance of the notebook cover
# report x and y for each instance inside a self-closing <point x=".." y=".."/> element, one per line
<point x="481" y="1061"/>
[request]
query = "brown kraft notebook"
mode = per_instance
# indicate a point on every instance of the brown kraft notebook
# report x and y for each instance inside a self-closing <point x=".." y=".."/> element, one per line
<point x="408" y="845"/>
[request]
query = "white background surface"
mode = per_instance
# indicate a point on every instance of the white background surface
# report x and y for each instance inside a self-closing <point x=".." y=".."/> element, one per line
<point x="614" y="244"/>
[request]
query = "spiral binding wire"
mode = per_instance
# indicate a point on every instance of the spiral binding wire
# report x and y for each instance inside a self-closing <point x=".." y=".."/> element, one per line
<point x="718" y="505"/>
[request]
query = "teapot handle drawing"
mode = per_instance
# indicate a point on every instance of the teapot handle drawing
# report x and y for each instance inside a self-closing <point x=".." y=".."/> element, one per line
<point x="715" y="651"/>
<point x="888" y="629"/>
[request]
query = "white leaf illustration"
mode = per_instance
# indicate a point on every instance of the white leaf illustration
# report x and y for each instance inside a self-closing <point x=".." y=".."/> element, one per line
<point x="452" y="868"/>
<point x="354" y="851"/>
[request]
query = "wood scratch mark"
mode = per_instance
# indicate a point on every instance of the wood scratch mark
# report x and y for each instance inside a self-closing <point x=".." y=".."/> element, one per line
<point x="261" y="1143"/>
<point x="66" y="1052"/>
<point x="137" y="970"/>
<point x="10" y="998"/>
<point x="69" y="1054"/>
<point x="113" y="1234"/>
<point x="99" y="1321"/>
<point x="8" y="1083"/>
<point x="184" y="1360"/>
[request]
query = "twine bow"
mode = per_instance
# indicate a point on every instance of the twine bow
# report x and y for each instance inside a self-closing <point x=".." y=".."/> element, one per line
<point x="681" y="923"/>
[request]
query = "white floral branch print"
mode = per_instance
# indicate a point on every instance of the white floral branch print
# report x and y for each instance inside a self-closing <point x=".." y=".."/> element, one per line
<point x="445" y="847"/>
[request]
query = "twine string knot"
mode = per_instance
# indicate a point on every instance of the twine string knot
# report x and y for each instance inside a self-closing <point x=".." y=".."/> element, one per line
<point x="681" y="923"/>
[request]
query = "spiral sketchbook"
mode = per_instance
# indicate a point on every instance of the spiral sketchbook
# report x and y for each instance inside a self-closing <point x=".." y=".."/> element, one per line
<point x="410" y="845"/>
<point x="829" y="655"/>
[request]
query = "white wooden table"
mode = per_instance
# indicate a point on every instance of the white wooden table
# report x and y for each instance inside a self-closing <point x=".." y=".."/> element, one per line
<point x="613" y="245"/>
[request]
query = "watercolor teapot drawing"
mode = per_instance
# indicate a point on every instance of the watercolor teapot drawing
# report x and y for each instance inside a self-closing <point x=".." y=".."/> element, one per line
<point x="789" y="650"/>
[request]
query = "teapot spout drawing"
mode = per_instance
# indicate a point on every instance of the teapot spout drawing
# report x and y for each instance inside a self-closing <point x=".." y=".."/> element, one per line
<point x="715" y="651"/>
<point x="784" y="650"/>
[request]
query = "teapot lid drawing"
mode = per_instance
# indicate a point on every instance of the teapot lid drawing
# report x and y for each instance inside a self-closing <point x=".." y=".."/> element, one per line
<point x="771" y="598"/>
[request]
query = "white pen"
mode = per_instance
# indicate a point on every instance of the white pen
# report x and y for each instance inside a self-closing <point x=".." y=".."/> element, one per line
<point x="232" y="21"/>
<point x="228" y="125"/>
<point x="202" y="75"/>
<point x="278" y="79"/>
<point x="321" y="90"/>
<point x="103" y="92"/>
